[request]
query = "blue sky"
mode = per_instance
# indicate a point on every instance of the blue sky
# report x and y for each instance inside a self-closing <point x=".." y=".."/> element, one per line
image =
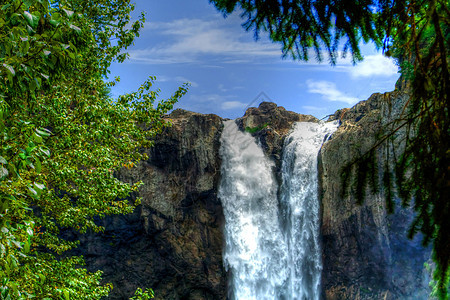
<point x="189" y="41"/>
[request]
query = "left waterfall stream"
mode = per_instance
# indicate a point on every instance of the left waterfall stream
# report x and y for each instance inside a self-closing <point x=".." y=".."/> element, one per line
<point x="255" y="250"/>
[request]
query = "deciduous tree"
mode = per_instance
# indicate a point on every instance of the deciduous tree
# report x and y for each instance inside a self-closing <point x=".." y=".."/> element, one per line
<point x="62" y="138"/>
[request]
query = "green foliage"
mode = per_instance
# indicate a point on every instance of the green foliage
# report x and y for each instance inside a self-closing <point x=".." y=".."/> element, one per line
<point x="417" y="34"/>
<point x="300" y="26"/>
<point x="253" y="130"/>
<point x="422" y="172"/>
<point x="143" y="295"/>
<point x="62" y="138"/>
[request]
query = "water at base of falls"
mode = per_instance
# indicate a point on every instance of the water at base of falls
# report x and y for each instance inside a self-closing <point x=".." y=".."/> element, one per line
<point x="271" y="242"/>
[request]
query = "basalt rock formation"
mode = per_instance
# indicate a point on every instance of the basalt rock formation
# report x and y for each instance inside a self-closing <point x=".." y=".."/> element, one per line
<point x="270" y="123"/>
<point x="173" y="242"/>
<point x="366" y="252"/>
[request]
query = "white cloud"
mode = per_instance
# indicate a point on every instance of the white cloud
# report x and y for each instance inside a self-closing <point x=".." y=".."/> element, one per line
<point x="329" y="91"/>
<point x="226" y="88"/>
<point x="213" y="103"/>
<point x="374" y="65"/>
<point x="189" y="40"/>
<point x="227" y="105"/>
<point x="162" y="78"/>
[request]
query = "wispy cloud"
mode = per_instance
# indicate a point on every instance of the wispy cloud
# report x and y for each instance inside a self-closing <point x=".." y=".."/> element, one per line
<point x="226" y="88"/>
<point x="227" y="105"/>
<point x="190" y="40"/>
<point x="214" y="103"/>
<point x="329" y="91"/>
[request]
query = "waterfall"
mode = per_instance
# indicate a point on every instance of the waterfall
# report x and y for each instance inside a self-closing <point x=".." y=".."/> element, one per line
<point x="255" y="251"/>
<point x="271" y="242"/>
<point x="300" y="206"/>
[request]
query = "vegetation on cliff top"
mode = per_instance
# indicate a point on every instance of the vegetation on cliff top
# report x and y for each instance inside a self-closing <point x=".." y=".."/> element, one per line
<point x="417" y="34"/>
<point x="62" y="138"/>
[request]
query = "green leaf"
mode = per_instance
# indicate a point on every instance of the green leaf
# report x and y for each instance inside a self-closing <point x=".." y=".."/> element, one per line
<point x="39" y="185"/>
<point x="13" y="260"/>
<point x="4" y="205"/>
<point x="32" y="20"/>
<point x="37" y="138"/>
<point x="41" y="277"/>
<point x="76" y="28"/>
<point x="69" y="13"/>
<point x="45" y="151"/>
<point x="66" y="294"/>
<point x="10" y="69"/>
<point x="54" y="23"/>
<point x="3" y="172"/>
<point x="33" y="85"/>
<point x="28" y="3"/>
<point x="6" y="6"/>
<point x="30" y="231"/>
<point x="55" y="19"/>
<point x="25" y="46"/>
<point x="16" y="243"/>
<point x="26" y="246"/>
<point x="32" y="191"/>
<point x="37" y="165"/>
<point x="3" y="160"/>
<point x="30" y="30"/>
<point x="43" y="131"/>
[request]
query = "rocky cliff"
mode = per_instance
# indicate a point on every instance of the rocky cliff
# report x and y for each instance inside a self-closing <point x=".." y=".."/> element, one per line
<point x="270" y="124"/>
<point x="366" y="254"/>
<point x="173" y="242"/>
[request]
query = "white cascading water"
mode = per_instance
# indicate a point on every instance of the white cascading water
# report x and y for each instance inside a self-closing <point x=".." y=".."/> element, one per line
<point x="255" y="251"/>
<point x="272" y="246"/>
<point x="300" y="206"/>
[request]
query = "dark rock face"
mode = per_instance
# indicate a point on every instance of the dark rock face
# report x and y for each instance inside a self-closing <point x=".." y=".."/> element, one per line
<point x="173" y="242"/>
<point x="366" y="253"/>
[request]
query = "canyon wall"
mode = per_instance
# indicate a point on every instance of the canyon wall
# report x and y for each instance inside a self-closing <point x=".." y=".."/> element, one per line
<point x="173" y="242"/>
<point x="366" y="252"/>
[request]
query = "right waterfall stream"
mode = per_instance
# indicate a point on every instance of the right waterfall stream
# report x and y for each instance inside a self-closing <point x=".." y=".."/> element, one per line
<point x="272" y="248"/>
